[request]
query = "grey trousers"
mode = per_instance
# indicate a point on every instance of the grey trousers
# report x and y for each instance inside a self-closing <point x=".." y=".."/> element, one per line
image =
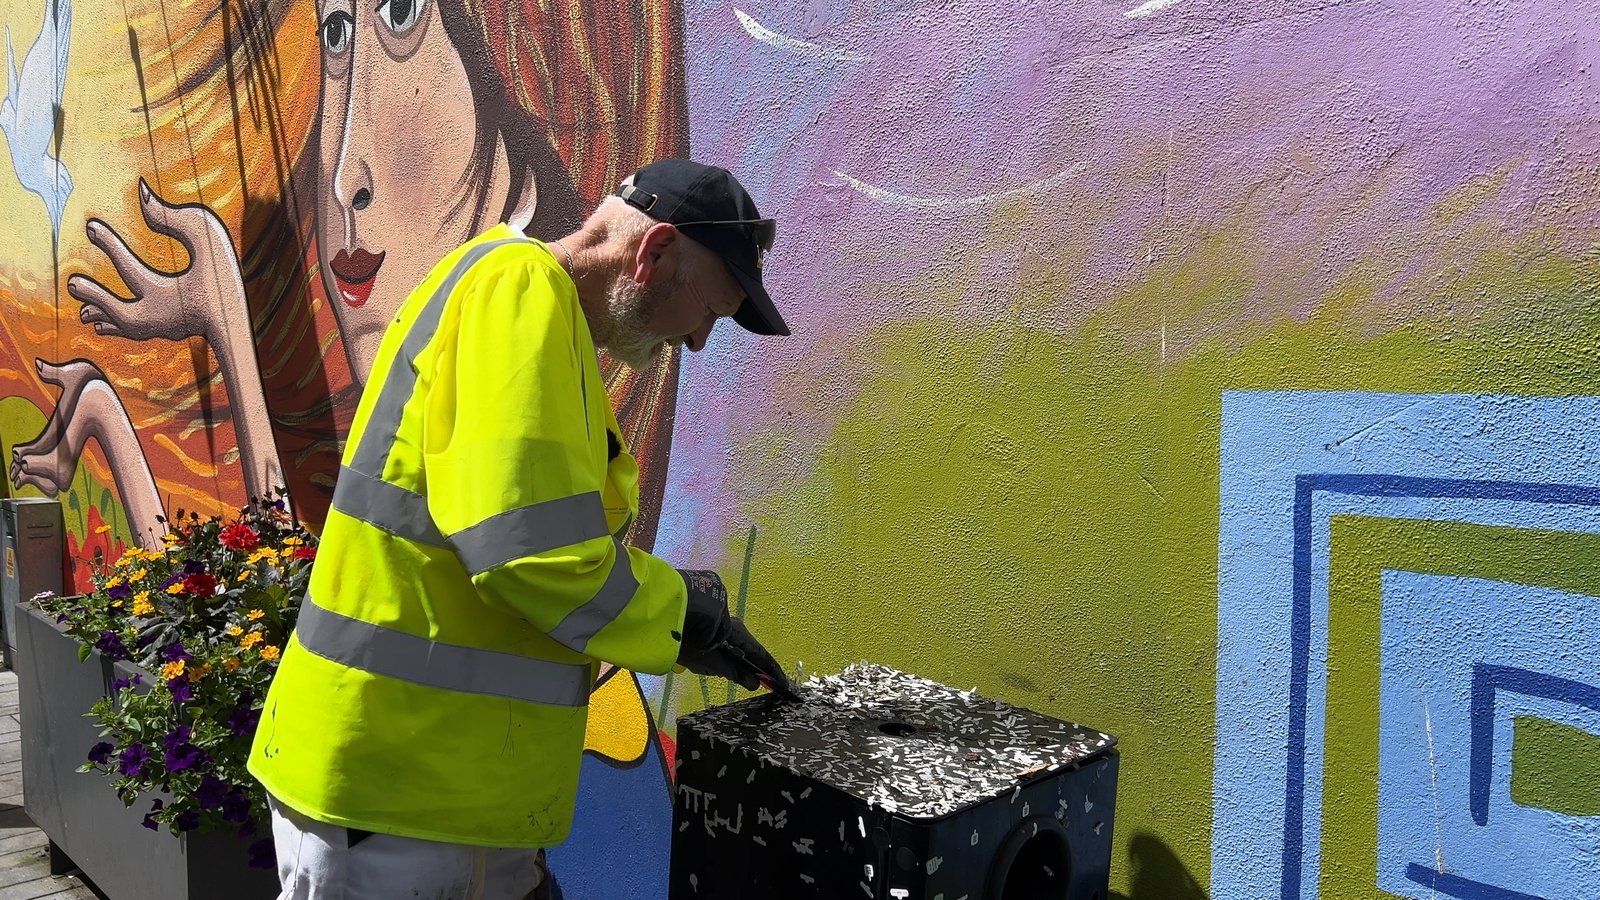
<point x="317" y="861"/>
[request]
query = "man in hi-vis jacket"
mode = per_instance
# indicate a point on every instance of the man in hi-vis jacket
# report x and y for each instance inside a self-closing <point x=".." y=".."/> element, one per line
<point x="423" y="734"/>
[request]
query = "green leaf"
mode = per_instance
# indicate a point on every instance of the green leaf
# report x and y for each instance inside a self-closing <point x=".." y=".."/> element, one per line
<point x="83" y="652"/>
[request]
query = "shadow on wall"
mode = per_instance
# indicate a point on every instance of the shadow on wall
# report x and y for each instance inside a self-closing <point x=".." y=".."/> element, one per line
<point x="1157" y="873"/>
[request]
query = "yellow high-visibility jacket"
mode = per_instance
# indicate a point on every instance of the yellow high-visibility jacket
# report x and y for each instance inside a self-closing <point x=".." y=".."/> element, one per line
<point x="469" y="574"/>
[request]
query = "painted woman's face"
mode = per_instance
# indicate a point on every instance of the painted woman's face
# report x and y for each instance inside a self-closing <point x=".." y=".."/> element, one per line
<point x="397" y="127"/>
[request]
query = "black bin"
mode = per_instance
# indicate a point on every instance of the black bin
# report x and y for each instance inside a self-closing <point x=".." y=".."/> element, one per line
<point x="885" y="786"/>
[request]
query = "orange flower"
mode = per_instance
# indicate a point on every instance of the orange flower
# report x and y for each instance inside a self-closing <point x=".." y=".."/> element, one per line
<point x="231" y="664"/>
<point x="172" y="669"/>
<point x="269" y="652"/>
<point x="251" y="639"/>
<point x="255" y="614"/>
<point x="234" y="631"/>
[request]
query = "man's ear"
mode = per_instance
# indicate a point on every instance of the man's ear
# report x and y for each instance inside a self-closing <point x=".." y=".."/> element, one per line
<point x="655" y="254"/>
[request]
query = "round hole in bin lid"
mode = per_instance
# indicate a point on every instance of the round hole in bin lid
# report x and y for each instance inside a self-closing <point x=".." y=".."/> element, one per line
<point x="897" y="729"/>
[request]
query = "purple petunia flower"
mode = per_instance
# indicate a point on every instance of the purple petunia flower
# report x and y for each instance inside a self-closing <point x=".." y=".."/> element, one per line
<point x="182" y="690"/>
<point x="61" y="618"/>
<point x="150" y="817"/>
<point x="188" y="820"/>
<point x="173" y="579"/>
<point x="133" y="759"/>
<point x="120" y="592"/>
<point x="193" y="567"/>
<point x="176" y="736"/>
<point x="248" y="829"/>
<point x="111" y="645"/>
<point x="243" y="720"/>
<point x="236" y="807"/>
<point x="184" y="757"/>
<point x="174" y="652"/>
<point x="211" y="793"/>
<point x="121" y="683"/>
<point x="101" y="753"/>
<point x="261" y="855"/>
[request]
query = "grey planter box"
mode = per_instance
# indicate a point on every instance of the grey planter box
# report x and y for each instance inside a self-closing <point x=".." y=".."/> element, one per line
<point x="88" y="827"/>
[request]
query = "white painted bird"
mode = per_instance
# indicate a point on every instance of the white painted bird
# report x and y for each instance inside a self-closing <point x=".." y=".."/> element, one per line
<point x="29" y="110"/>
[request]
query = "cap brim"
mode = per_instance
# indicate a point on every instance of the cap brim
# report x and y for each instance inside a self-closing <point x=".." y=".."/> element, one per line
<point x="757" y="314"/>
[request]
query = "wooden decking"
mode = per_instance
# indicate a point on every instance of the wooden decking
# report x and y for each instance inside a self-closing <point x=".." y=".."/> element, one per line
<point x="24" y="860"/>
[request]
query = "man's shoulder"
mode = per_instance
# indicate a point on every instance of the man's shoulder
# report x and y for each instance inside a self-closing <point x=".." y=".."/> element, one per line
<point x="500" y="248"/>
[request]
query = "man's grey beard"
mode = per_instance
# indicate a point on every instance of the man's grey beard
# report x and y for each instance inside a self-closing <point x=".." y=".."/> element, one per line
<point x="631" y="305"/>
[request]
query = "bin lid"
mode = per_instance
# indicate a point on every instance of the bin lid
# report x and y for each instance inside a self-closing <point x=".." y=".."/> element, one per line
<point x="903" y="743"/>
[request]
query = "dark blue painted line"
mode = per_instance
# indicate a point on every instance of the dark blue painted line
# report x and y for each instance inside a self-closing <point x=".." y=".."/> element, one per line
<point x="1465" y="888"/>
<point x="1300" y="650"/>
<point x="1305" y="486"/>
<point x="1487" y="681"/>
<point x="1454" y="488"/>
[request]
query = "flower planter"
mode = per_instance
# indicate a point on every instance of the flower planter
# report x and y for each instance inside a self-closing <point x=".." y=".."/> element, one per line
<point x="88" y="827"/>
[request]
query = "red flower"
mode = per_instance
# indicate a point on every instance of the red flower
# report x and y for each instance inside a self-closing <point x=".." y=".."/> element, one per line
<point x="200" y="584"/>
<point x="240" y="536"/>
<point x="305" y="553"/>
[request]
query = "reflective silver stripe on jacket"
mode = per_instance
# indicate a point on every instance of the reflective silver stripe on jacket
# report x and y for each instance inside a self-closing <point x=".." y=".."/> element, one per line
<point x="530" y="530"/>
<point x="582" y="624"/>
<point x="452" y="667"/>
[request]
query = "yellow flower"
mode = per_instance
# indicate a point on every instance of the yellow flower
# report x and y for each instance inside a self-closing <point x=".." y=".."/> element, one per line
<point x="250" y="640"/>
<point x="102" y="529"/>
<point x="255" y="614"/>
<point x="269" y="652"/>
<point x="203" y="671"/>
<point x="116" y="604"/>
<point x="243" y="577"/>
<point x="259" y="554"/>
<point x="142" y="605"/>
<point x="175" y="588"/>
<point x="172" y="669"/>
<point x="169" y="538"/>
<point x="138" y="574"/>
<point x="114" y="582"/>
<point x="292" y="541"/>
<point x="231" y="664"/>
<point x="234" y="631"/>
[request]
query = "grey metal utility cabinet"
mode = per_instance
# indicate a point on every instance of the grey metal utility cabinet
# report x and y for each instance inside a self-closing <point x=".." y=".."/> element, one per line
<point x="34" y="559"/>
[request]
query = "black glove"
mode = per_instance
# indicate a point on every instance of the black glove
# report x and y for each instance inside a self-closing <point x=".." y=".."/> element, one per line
<point x="717" y="644"/>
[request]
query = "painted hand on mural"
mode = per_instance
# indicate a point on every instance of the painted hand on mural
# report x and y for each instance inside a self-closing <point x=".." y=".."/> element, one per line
<point x="88" y="408"/>
<point x="206" y="298"/>
<point x="194" y="301"/>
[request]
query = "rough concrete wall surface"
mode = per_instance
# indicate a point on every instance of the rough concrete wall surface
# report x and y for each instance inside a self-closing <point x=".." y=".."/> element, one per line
<point x="1218" y="375"/>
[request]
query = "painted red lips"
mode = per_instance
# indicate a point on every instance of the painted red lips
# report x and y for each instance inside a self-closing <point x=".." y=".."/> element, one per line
<point x="355" y="272"/>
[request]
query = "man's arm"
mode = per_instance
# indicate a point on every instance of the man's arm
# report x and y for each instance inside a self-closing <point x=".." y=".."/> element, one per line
<point x="514" y="482"/>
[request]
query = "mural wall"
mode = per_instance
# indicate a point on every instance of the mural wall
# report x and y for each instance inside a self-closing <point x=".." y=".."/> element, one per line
<point x="1221" y="375"/>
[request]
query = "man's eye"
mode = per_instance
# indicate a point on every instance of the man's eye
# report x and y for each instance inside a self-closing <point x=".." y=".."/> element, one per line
<point x="400" y="15"/>
<point x="337" y="30"/>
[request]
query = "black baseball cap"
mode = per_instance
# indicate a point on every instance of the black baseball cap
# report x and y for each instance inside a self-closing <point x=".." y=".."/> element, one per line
<point x="709" y="205"/>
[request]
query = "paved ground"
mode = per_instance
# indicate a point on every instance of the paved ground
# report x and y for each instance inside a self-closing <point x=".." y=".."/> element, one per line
<point x="24" y="861"/>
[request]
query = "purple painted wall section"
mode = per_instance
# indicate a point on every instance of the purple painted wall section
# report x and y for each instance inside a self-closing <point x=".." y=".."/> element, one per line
<point x="1330" y="134"/>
